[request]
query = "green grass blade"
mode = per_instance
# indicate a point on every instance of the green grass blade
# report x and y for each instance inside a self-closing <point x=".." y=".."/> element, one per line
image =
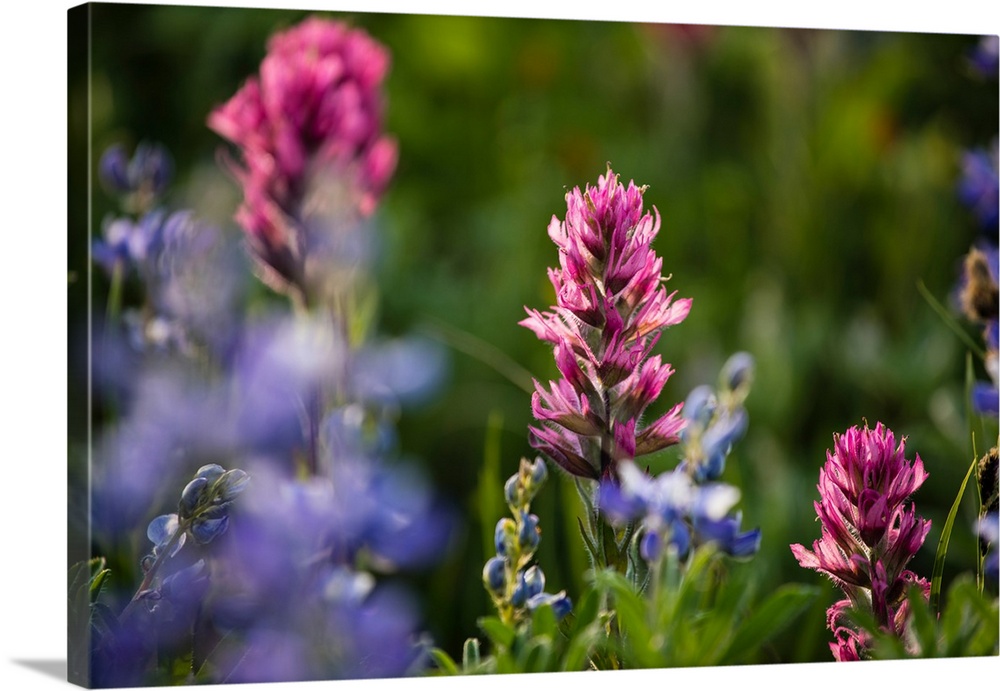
<point x="487" y="353"/>
<point x="950" y="321"/>
<point x="444" y="662"/>
<point x="490" y="487"/>
<point x="775" y="614"/>
<point x="942" y="548"/>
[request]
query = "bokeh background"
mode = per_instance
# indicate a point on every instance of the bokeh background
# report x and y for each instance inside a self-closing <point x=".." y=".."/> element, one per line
<point x="807" y="185"/>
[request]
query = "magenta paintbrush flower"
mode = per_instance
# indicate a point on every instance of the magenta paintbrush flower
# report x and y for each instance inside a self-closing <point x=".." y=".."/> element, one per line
<point x="868" y="533"/>
<point x="610" y="308"/>
<point x="309" y="130"/>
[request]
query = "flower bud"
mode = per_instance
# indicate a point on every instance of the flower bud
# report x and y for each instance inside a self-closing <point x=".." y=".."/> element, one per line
<point x="232" y="484"/>
<point x="534" y="581"/>
<point x="210" y="524"/>
<point x="699" y="405"/>
<point x="530" y="534"/>
<point x="738" y="371"/>
<point x="504" y="535"/>
<point x="535" y="471"/>
<point x="650" y="546"/>
<point x="192" y="496"/>
<point x="560" y="604"/>
<point x="162" y="528"/>
<point x="520" y="595"/>
<point x="513" y="492"/>
<point x="495" y="576"/>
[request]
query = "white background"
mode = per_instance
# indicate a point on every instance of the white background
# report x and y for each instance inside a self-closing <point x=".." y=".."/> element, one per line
<point x="33" y="331"/>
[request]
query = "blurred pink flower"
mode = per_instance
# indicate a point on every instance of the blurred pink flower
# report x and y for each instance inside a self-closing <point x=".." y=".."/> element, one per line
<point x="309" y="131"/>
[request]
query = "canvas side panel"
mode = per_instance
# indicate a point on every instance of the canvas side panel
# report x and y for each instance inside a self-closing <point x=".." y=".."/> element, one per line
<point x="78" y="366"/>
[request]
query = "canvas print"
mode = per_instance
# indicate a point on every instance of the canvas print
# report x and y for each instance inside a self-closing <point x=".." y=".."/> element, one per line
<point x="416" y="345"/>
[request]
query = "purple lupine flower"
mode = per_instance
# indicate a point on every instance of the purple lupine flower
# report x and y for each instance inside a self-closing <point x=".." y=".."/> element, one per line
<point x="515" y="587"/>
<point x="308" y="128"/>
<point x="984" y="58"/>
<point x="868" y="533"/>
<point x="676" y="511"/>
<point x="977" y="188"/>
<point x="141" y="178"/>
<point x="716" y="419"/>
<point x="611" y="307"/>
<point x="988" y="529"/>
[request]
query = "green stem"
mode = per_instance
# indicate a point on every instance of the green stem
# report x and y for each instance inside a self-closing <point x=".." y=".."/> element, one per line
<point x="114" y="305"/>
<point x="147" y="581"/>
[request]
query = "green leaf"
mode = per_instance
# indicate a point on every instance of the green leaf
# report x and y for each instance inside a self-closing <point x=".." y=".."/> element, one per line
<point x="771" y="617"/>
<point x="922" y="622"/>
<point x="942" y="548"/>
<point x="543" y="621"/>
<point x="588" y="542"/>
<point x="500" y="633"/>
<point x="535" y="654"/>
<point x="444" y="662"/>
<point x="586" y="611"/>
<point x="969" y="622"/>
<point x="630" y="608"/>
<point x="97" y="583"/>
<point x="470" y="654"/>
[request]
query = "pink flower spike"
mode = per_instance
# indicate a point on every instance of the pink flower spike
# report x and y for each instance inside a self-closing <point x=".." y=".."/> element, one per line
<point x="868" y="534"/>
<point x="610" y="308"/>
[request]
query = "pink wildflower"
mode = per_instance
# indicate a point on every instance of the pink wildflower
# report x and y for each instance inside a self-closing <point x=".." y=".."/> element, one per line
<point x="868" y="535"/>
<point x="308" y="126"/>
<point x="610" y="308"/>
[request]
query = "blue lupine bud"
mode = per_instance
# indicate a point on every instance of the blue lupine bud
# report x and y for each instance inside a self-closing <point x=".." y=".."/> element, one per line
<point x="191" y="496"/>
<point x="533" y="580"/>
<point x="503" y="534"/>
<point x="699" y="405"/>
<point x="561" y="605"/>
<point x="204" y="531"/>
<point x="985" y="399"/>
<point x="495" y="575"/>
<point x="512" y="492"/>
<point x="651" y="546"/>
<point x="738" y="371"/>
<point x="724" y="432"/>
<point x="151" y="168"/>
<point x="680" y="538"/>
<point x="233" y="482"/>
<point x="725" y="532"/>
<point x="520" y="594"/>
<point x="529" y="535"/>
<point x="539" y="472"/>
<point x="211" y="472"/>
<point x="113" y="169"/>
<point x="162" y="528"/>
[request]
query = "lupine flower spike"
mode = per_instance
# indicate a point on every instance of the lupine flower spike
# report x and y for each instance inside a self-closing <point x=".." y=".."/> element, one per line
<point x="869" y="533"/>
<point x="516" y="586"/>
<point x="611" y="307"/>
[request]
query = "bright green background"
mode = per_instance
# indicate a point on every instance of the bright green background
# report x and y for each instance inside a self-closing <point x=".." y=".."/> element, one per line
<point x="806" y="181"/>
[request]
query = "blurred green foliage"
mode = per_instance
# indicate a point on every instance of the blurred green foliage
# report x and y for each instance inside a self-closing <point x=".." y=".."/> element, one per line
<point x="806" y="181"/>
